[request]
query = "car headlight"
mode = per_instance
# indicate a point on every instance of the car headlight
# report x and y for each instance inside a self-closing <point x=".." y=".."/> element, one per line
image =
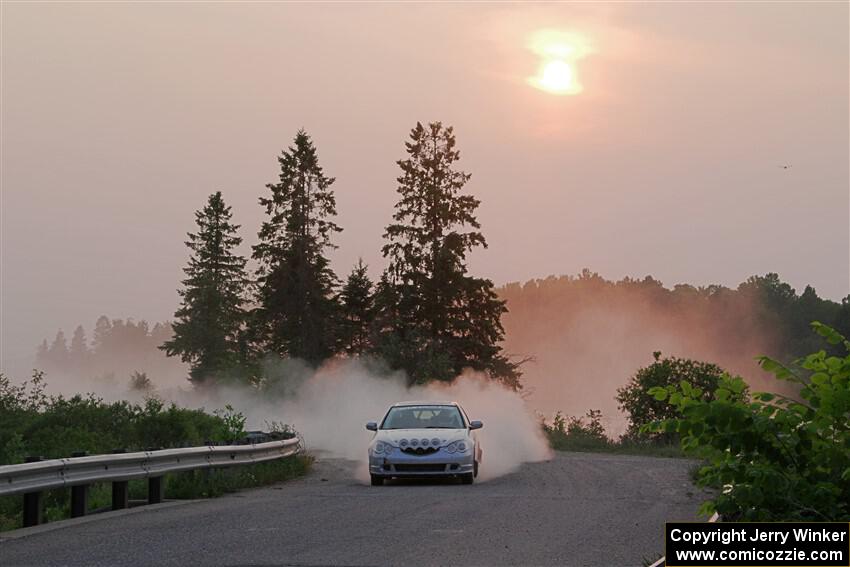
<point x="382" y="448"/>
<point x="460" y="446"/>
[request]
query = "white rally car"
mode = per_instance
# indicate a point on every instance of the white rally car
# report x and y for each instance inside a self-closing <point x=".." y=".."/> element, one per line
<point x="418" y="439"/>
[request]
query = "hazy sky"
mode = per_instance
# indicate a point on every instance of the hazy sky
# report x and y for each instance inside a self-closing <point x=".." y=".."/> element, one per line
<point x="118" y="120"/>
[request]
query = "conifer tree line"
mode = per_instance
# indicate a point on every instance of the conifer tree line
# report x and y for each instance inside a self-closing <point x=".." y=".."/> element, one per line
<point x="116" y="349"/>
<point x="426" y="315"/>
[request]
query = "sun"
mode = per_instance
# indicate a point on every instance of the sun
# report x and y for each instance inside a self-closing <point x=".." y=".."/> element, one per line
<point x="559" y="52"/>
<point x="556" y="77"/>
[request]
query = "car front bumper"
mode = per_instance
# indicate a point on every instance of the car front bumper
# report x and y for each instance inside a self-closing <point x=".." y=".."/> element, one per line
<point x="440" y="463"/>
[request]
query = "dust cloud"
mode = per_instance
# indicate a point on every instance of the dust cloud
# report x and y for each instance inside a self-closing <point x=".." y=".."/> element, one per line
<point x="587" y="336"/>
<point x="331" y="406"/>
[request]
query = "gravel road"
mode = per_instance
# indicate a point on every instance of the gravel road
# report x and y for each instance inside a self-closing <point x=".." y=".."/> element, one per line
<point x="577" y="509"/>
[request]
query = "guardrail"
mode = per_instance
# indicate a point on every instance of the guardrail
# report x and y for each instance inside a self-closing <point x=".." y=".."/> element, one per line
<point x="32" y="478"/>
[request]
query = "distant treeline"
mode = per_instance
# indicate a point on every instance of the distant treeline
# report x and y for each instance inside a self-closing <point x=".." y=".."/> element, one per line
<point x="539" y="313"/>
<point x="762" y="306"/>
<point x="116" y="350"/>
<point x="588" y="335"/>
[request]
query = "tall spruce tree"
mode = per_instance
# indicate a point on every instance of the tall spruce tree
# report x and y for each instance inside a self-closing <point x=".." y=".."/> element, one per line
<point x="58" y="353"/>
<point x="356" y="310"/>
<point x="435" y="320"/>
<point x="42" y="356"/>
<point x="297" y="309"/>
<point x="208" y="324"/>
<point x="79" y="351"/>
<point x="102" y="330"/>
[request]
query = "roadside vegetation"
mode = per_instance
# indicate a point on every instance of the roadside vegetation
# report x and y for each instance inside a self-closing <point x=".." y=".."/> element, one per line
<point x="767" y="456"/>
<point x="34" y="424"/>
<point x="587" y="434"/>
<point x="771" y="457"/>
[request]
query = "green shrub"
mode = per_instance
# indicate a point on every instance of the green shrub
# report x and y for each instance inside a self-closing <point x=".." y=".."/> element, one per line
<point x="587" y="434"/>
<point x="570" y="433"/>
<point x="775" y="458"/>
<point x="233" y="421"/>
<point x="642" y="408"/>
<point x="33" y="423"/>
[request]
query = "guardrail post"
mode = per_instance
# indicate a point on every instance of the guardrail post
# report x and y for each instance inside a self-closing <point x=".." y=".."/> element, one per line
<point x="120" y="489"/>
<point x="206" y="472"/>
<point x="156" y="486"/>
<point x="156" y="489"/>
<point x="79" y="494"/>
<point x="33" y="509"/>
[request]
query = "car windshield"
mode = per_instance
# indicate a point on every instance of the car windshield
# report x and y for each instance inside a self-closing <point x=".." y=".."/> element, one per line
<point x="423" y="417"/>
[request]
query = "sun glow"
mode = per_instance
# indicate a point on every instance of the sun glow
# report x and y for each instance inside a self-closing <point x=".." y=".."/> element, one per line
<point x="559" y="52"/>
<point x="556" y="77"/>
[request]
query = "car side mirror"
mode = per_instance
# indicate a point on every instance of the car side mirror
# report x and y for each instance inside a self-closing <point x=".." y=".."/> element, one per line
<point x="475" y="424"/>
<point x="372" y="426"/>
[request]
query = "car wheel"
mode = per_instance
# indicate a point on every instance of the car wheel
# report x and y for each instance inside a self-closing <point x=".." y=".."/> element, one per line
<point x="377" y="480"/>
<point x="475" y="469"/>
<point x="467" y="478"/>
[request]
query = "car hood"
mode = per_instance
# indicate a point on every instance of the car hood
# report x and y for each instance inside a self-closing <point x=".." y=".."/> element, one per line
<point x="446" y="436"/>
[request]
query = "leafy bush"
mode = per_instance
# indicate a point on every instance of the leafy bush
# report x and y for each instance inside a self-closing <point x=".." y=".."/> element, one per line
<point x="234" y="421"/>
<point x="16" y="404"/>
<point x="33" y="423"/>
<point x="776" y="458"/>
<point x="140" y="382"/>
<point x="643" y="408"/>
<point x="570" y="433"/>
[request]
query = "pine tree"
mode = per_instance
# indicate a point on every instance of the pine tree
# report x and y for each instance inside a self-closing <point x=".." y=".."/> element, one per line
<point x="435" y="319"/>
<point x="357" y="310"/>
<point x="297" y="309"/>
<point x="42" y="354"/>
<point x="841" y="318"/>
<point x="57" y="355"/>
<point x="102" y="331"/>
<point x="79" y="351"/>
<point x="208" y="324"/>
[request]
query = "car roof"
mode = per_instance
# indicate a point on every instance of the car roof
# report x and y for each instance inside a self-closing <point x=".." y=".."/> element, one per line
<point x="425" y="403"/>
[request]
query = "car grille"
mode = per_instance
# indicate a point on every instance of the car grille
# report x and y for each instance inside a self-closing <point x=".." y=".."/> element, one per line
<point x="420" y="450"/>
<point x="424" y="467"/>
